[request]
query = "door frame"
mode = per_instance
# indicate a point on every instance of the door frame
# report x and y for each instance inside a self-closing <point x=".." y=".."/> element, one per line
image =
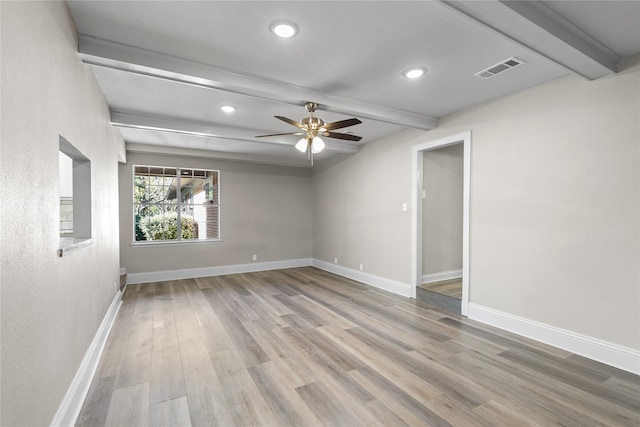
<point x="417" y="166"/>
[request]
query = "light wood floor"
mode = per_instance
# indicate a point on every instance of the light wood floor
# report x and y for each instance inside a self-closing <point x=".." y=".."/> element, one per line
<point x="302" y="347"/>
<point x="451" y="288"/>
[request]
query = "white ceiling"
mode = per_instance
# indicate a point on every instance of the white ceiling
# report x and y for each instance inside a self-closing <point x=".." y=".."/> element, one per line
<point x="166" y="67"/>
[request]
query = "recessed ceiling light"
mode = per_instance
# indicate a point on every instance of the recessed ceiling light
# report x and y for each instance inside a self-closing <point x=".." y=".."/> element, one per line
<point x="228" y="108"/>
<point x="284" y="29"/>
<point x="414" y="73"/>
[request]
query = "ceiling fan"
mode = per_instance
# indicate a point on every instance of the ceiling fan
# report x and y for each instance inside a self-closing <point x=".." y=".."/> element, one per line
<point x="311" y="128"/>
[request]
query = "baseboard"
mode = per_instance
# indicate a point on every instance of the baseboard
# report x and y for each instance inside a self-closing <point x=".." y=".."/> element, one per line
<point x="189" y="273"/>
<point x="390" y="285"/>
<point x="72" y="402"/>
<point x="611" y="354"/>
<point x="442" y="275"/>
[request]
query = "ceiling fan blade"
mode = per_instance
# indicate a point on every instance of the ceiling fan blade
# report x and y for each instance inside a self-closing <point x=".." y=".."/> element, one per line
<point x="345" y="136"/>
<point x="291" y="122"/>
<point x="341" y="124"/>
<point x="280" y="134"/>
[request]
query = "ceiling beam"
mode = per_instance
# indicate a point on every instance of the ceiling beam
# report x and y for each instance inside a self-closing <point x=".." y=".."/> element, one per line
<point x="170" y="125"/>
<point x="118" y="56"/>
<point x="539" y="28"/>
<point x="217" y="155"/>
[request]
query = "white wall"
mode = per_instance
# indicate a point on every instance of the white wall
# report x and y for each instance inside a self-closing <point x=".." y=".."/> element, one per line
<point x="358" y="216"/>
<point x="555" y="202"/>
<point x="442" y="210"/>
<point x="51" y="307"/>
<point x="265" y="210"/>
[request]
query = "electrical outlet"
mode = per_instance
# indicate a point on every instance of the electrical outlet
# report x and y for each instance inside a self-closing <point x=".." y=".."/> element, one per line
<point x="335" y="260"/>
<point x="361" y="267"/>
<point x="255" y="257"/>
<point x="404" y="207"/>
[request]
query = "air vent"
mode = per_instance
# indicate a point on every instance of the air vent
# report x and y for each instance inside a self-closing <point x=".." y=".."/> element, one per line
<point x="498" y="68"/>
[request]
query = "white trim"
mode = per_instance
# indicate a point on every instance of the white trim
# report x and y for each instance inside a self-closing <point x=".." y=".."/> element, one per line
<point x="390" y="285"/>
<point x="71" y="404"/>
<point x="442" y="275"/>
<point x="188" y="273"/>
<point x="416" y="214"/>
<point x="621" y="357"/>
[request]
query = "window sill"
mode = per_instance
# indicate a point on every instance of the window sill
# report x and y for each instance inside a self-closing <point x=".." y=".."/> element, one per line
<point x="173" y="243"/>
<point x="69" y="245"/>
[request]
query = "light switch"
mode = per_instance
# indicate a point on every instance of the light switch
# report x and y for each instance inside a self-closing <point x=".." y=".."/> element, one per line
<point x="404" y="207"/>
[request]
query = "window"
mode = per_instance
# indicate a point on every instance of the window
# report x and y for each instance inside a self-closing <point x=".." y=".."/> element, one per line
<point x="164" y="197"/>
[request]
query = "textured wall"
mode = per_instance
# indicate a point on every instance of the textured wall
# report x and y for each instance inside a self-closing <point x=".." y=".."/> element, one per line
<point x="442" y="210"/>
<point x="555" y="202"/>
<point x="51" y="307"/>
<point x="358" y="215"/>
<point x="265" y="210"/>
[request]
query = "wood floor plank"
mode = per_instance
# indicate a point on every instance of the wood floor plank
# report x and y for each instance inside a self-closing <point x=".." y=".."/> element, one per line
<point x="205" y="393"/>
<point x="214" y="333"/>
<point x="500" y="415"/>
<point x="170" y="413"/>
<point x="327" y="316"/>
<point x="539" y="404"/>
<point x="303" y="347"/>
<point x="402" y="404"/>
<point x="323" y="366"/>
<point x="94" y="411"/>
<point x="285" y="404"/>
<point x="449" y="382"/>
<point x="135" y="365"/>
<point x="243" y="342"/>
<point x="329" y="410"/>
<point x="408" y="382"/>
<point x="129" y="407"/>
<point x="586" y="381"/>
<point x="243" y="399"/>
<point x="294" y="371"/>
<point x="456" y="413"/>
<point x="167" y="379"/>
<point x="115" y="345"/>
<point x="374" y="413"/>
<point x="502" y="338"/>
<point x="267" y="316"/>
<point x="310" y="316"/>
<point x="576" y="400"/>
<point x="451" y="288"/>
<point x="354" y="315"/>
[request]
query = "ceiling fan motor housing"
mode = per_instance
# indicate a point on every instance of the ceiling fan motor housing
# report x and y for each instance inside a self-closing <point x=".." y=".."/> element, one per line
<point x="311" y="106"/>
<point x="313" y="123"/>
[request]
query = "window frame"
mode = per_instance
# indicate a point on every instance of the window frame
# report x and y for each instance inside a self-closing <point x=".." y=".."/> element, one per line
<point x="179" y="240"/>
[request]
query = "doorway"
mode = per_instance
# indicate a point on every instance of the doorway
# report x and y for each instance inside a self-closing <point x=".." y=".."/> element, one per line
<point x="441" y="210"/>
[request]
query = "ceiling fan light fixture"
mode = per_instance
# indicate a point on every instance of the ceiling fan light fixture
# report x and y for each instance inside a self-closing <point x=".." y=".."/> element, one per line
<point x="414" y="73"/>
<point x="228" y="108"/>
<point x="302" y="145"/>
<point x="284" y="29"/>
<point x="317" y="145"/>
